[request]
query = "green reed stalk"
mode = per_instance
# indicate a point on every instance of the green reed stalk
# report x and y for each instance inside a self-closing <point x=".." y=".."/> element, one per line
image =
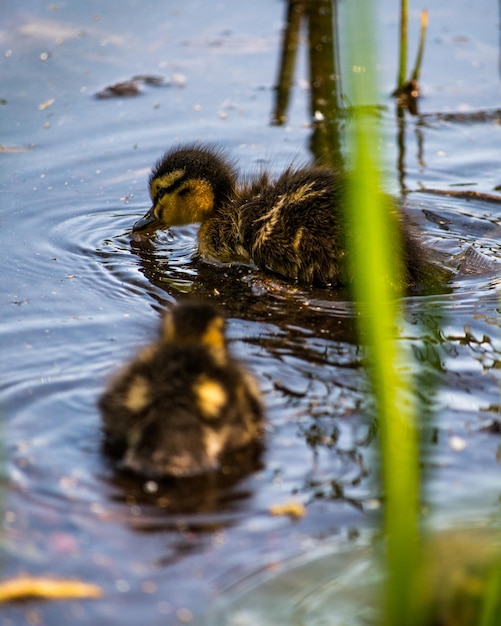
<point x="375" y="253"/>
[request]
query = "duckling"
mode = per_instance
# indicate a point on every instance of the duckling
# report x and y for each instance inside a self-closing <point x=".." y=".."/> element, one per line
<point x="292" y="226"/>
<point x="183" y="402"/>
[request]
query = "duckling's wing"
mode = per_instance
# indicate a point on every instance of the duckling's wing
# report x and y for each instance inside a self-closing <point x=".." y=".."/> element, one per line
<point x="293" y="228"/>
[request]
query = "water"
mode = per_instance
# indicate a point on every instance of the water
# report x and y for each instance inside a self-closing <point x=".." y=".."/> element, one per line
<point x="79" y="297"/>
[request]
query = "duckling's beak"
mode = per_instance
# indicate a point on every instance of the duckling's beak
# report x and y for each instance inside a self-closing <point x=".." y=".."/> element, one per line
<point x="147" y="223"/>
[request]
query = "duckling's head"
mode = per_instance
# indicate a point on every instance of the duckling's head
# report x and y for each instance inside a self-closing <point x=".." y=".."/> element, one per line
<point x="196" y="323"/>
<point x="186" y="185"/>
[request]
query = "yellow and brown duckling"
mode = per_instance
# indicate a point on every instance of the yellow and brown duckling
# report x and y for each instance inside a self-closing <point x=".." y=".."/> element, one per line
<point x="293" y="226"/>
<point x="183" y="402"/>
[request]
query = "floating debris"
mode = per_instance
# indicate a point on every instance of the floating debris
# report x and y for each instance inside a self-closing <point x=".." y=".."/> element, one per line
<point x="15" y="149"/>
<point x="296" y="510"/>
<point x="26" y="587"/>
<point x="149" y="79"/>
<point x="46" y="105"/>
<point x="465" y="194"/>
<point x="457" y="444"/>
<point x="125" y="89"/>
<point x="130" y="88"/>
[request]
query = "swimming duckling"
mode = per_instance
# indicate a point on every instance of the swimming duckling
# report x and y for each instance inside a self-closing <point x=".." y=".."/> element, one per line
<point x="292" y="226"/>
<point x="183" y="402"/>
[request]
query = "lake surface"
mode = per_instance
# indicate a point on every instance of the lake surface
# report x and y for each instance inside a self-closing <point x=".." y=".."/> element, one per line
<point x="79" y="298"/>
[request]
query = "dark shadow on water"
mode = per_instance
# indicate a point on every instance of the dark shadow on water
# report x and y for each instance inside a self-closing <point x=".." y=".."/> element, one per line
<point x="222" y="493"/>
<point x="248" y="294"/>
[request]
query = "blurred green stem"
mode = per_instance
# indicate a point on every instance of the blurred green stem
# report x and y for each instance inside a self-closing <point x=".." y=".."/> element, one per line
<point x="375" y="255"/>
<point x="490" y="613"/>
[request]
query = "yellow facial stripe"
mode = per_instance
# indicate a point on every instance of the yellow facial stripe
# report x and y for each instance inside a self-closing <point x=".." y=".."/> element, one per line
<point x="214" y="335"/>
<point x="203" y="199"/>
<point x="178" y="200"/>
<point x="164" y="182"/>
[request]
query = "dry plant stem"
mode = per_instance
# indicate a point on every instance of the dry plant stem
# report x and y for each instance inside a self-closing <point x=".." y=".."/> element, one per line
<point x="422" y="38"/>
<point x="402" y="66"/>
<point x="466" y="194"/>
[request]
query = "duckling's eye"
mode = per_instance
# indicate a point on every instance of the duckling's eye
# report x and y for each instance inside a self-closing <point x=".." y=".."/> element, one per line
<point x="161" y="192"/>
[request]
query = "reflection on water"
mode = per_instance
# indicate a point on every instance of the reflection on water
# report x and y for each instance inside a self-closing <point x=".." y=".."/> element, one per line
<point x="221" y="492"/>
<point x="80" y="295"/>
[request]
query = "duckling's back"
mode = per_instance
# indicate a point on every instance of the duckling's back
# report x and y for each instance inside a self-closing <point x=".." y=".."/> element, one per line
<point x="299" y="227"/>
<point x="292" y="226"/>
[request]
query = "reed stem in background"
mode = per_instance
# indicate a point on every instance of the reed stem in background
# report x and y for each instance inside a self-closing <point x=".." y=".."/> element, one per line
<point x="407" y="92"/>
<point x="290" y="43"/>
<point x="324" y="76"/>
<point x="422" y="38"/>
<point x="375" y="255"/>
<point x="325" y="81"/>
<point x="402" y="64"/>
